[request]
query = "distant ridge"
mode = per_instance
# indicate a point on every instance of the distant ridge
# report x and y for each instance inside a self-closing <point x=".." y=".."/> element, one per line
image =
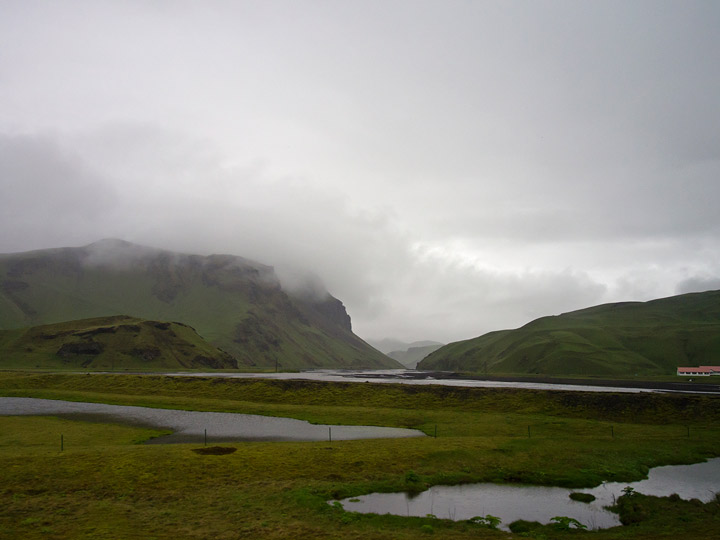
<point x="234" y="303"/>
<point x="389" y="345"/>
<point x="410" y="357"/>
<point x="628" y="338"/>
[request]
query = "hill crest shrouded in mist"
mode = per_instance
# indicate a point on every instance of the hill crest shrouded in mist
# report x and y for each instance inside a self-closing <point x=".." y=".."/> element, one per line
<point x="620" y="339"/>
<point x="235" y="304"/>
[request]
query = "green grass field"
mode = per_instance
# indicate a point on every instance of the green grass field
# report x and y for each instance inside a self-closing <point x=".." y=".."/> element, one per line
<point x="105" y="485"/>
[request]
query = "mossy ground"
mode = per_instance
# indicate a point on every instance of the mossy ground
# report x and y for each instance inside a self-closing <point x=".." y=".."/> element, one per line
<point x="104" y="485"/>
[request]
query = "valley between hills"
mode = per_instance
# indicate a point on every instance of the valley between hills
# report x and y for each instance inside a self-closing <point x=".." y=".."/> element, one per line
<point x="67" y="315"/>
<point x="59" y="308"/>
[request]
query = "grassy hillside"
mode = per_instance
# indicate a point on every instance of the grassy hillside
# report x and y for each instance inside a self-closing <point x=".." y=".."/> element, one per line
<point x="644" y="338"/>
<point x="235" y="304"/>
<point x="110" y="343"/>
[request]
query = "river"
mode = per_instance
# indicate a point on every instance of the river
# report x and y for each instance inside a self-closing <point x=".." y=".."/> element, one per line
<point x="198" y="426"/>
<point x="407" y="376"/>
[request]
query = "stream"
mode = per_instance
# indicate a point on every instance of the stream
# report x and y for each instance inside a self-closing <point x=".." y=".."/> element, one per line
<point x="199" y="426"/>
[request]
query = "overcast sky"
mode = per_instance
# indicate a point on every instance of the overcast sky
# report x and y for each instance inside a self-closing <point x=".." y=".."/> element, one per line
<point x="446" y="167"/>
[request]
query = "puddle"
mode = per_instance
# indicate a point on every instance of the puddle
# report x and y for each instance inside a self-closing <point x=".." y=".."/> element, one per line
<point x="537" y="503"/>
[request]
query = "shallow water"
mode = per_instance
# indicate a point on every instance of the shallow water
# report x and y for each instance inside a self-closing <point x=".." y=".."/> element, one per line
<point x="536" y="503"/>
<point x="414" y="377"/>
<point x="191" y="426"/>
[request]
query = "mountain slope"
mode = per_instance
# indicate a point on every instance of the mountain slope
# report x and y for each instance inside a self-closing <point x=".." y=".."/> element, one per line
<point x="110" y="343"/>
<point x="234" y="303"/>
<point x="648" y="338"/>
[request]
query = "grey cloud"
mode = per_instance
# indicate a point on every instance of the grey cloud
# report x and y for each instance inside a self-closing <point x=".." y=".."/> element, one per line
<point x="635" y="205"/>
<point x="457" y="301"/>
<point x="115" y="253"/>
<point x="365" y="258"/>
<point x="445" y="168"/>
<point x="301" y="283"/>
<point x="48" y="196"/>
<point x="698" y="284"/>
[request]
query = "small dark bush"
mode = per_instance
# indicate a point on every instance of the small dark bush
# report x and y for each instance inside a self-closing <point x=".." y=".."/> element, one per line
<point x="582" y="497"/>
<point x="411" y="477"/>
<point x="522" y="526"/>
<point x="215" y="450"/>
<point x="632" y="512"/>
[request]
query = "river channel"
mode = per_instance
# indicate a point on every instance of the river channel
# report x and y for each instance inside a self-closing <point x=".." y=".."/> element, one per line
<point x="447" y="378"/>
<point x="198" y="426"/>
<point x="536" y="503"/>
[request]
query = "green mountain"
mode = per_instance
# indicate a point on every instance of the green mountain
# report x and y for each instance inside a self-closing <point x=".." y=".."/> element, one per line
<point x="235" y="304"/>
<point x="645" y="338"/>
<point x="110" y="343"/>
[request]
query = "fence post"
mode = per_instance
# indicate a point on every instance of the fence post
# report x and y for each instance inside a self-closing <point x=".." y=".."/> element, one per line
<point x="329" y="434"/>
<point x="206" y="437"/>
<point x="62" y="443"/>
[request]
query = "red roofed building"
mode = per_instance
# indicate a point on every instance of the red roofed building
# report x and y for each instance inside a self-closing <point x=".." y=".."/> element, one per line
<point x="700" y="371"/>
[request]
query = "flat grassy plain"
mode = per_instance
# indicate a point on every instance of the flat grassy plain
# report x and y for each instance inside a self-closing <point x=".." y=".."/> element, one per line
<point x="103" y="484"/>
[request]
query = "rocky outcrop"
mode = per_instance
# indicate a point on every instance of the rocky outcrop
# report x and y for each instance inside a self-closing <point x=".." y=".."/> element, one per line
<point x="84" y="347"/>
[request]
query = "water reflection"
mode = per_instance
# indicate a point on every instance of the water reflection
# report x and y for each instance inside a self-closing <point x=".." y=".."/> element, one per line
<point x="192" y="426"/>
<point x="537" y="503"/>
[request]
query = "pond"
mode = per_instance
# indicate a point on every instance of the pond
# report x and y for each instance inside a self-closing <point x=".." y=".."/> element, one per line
<point x="192" y="426"/>
<point x="537" y="503"/>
